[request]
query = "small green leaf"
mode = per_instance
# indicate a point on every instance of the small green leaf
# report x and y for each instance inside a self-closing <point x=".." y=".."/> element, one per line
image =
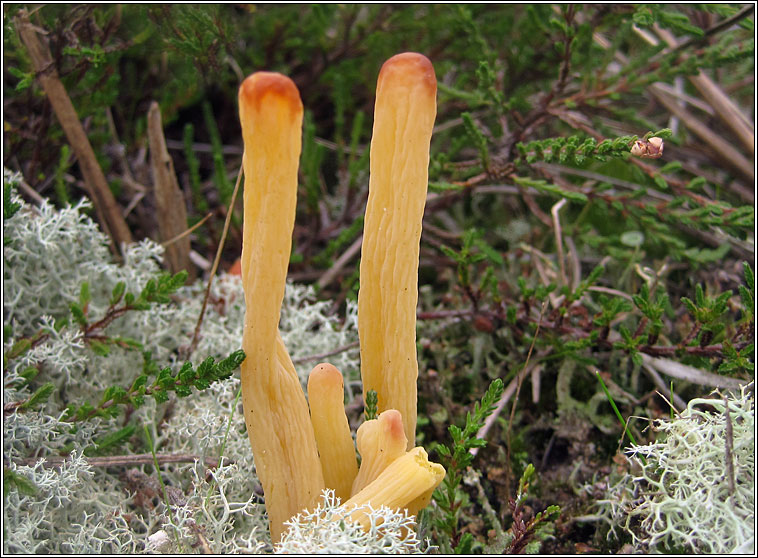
<point x="78" y="313"/>
<point x="11" y="479"/>
<point x="660" y="182"/>
<point x="465" y="544"/>
<point x="39" y="397"/>
<point x="29" y="373"/>
<point x="139" y="382"/>
<point x="117" y="293"/>
<point x="19" y="348"/>
<point x="99" y="348"/>
<point x="84" y="295"/>
<point x="370" y="412"/>
<point x="10" y="207"/>
<point x="114" y="439"/>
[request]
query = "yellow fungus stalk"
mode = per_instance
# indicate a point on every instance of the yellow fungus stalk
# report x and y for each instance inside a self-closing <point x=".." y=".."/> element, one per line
<point x="276" y="412"/>
<point x="380" y="441"/>
<point x="403" y="119"/>
<point x="333" y="439"/>
<point x="405" y="480"/>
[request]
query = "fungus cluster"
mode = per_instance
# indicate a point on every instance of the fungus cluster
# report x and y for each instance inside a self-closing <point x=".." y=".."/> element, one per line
<point x="303" y="447"/>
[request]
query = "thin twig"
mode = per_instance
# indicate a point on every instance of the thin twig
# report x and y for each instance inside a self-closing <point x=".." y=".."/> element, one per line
<point x="723" y="105"/>
<point x="31" y="192"/>
<point x="201" y="538"/>
<point x="347" y="255"/>
<point x="321" y="356"/>
<point x="729" y="440"/>
<point x="227" y="222"/>
<point x="125" y="460"/>
<point x="520" y="379"/>
<point x="504" y="398"/>
<point x="677" y="402"/>
<point x="691" y="374"/>
<point x="728" y="22"/>
<point x="188" y="231"/>
<point x="106" y="207"/>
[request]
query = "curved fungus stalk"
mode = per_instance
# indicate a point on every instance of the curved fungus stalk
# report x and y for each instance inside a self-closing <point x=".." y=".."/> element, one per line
<point x="403" y="120"/>
<point x="276" y="412"/>
<point x="326" y="392"/>
<point x="403" y="484"/>
<point x="380" y="441"/>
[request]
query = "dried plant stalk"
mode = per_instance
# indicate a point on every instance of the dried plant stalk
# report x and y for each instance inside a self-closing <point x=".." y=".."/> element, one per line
<point x="169" y="201"/>
<point x="326" y="394"/>
<point x="403" y="120"/>
<point x="276" y="412"/>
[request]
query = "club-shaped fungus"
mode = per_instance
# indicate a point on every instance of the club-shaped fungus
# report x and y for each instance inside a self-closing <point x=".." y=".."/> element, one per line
<point x="298" y="450"/>
<point x="406" y="105"/>
<point x="276" y="412"/>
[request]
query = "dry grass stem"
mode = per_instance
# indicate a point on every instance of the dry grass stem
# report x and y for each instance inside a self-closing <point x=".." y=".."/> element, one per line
<point x="216" y="260"/>
<point x="171" y="212"/>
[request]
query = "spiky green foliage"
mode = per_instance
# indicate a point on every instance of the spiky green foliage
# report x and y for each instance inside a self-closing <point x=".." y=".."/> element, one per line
<point x="456" y="458"/>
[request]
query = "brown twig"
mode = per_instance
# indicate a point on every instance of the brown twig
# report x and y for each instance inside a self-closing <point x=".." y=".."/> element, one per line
<point x="126" y="460"/>
<point x="330" y="274"/>
<point x="717" y="27"/>
<point x="729" y="155"/>
<point x="188" y="231"/>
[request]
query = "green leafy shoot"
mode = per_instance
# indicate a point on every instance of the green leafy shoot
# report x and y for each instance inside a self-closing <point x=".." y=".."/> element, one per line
<point x="525" y="532"/>
<point x="13" y="480"/>
<point x="372" y="399"/>
<point x="457" y="457"/>
<point x="10" y="208"/>
<point x="165" y="381"/>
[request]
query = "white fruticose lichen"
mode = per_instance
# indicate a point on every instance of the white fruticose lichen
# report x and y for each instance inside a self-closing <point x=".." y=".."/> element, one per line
<point x="694" y="489"/>
<point x="78" y="507"/>
<point x="75" y="509"/>
<point x="327" y="529"/>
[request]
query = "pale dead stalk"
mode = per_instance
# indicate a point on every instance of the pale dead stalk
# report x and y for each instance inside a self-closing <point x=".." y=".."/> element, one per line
<point x="340" y="263"/>
<point x="169" y="199"/>
<point x="188" y="231"/>
<point x="559" y="238"/>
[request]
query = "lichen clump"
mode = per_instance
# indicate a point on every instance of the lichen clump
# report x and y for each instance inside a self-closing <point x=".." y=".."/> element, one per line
<point x="681" y="495"/>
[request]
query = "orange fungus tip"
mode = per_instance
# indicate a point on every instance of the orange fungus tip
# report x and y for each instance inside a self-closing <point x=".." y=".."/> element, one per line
<point x="325" y="373"/>
<point x="260" y="85"/>
<point x="408" y="69"/>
